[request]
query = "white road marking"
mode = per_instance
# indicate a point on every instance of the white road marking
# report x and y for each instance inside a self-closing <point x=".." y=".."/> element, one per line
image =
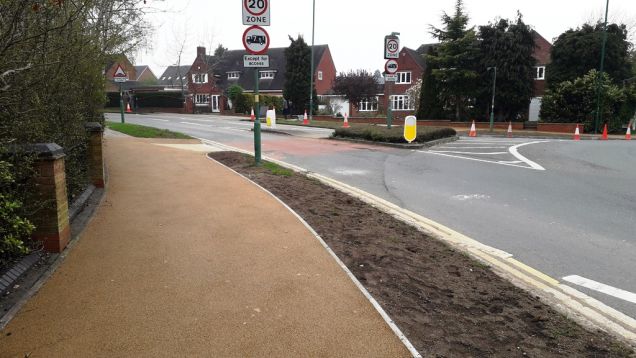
<point x="157" y="119"/>
<point x="456" y="152"/>
<point x="475" y="159"/>
<point x="462" y="147"/>
<point x="603" y="288"/>
<point x="464" y="197"/>
<point x="514" y="151"/>
<point x="195" y="124"/>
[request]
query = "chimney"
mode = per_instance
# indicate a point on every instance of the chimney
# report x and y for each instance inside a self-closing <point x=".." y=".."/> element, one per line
<point x="201" y="52"/>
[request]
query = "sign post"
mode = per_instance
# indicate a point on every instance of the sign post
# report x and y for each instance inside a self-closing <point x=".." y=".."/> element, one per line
<point x="256" y="42"/>
<point x="391" y="52"/>
<point x="120" y="76"/>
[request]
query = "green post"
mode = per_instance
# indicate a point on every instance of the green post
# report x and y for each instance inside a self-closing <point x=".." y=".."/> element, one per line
<point x="257" y="121"/>
<point x="600" y="73"/>
<point x="492" y="105"/>
<point x="121" y="103"/>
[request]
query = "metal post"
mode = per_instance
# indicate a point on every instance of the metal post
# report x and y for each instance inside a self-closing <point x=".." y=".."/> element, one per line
<point x="121" y="103"/>
<point x="311" y="81"/>
<point x="389" y="109"/>
<point x="492" y="105"/>
<point x="600" y="73"/>
<point x="257" y="121"/>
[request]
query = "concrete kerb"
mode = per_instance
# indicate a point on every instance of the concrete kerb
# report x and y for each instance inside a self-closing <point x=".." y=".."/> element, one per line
<point x="574" y="304"/>
<point x="362" y="289"/>
<point x="400" y="145"/>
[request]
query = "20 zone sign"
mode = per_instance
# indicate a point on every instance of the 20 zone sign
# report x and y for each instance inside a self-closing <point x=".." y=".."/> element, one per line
<point x="256" y="12"/>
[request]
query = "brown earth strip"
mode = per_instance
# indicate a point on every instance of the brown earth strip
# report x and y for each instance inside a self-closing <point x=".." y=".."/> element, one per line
<point x="446" y="303"/>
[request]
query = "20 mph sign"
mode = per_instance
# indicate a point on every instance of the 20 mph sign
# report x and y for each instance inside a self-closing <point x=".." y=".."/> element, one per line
<point x="256" y="12"/>
<point x="256" y="40"/>
<point x="391" y="47"/>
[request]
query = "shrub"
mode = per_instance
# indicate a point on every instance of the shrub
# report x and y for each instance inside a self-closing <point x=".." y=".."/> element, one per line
<point x="14" y="229"/>
<point x="393" y="135"/>
<point x="575" y="102"/>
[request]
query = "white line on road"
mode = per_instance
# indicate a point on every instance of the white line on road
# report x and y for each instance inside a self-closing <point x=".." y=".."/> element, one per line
<point x="157" y="119"/>
<point x="195" y="124"/>
<point x="475" y="159"/>
<point x="603" y="288"/>
<point x="514" y="151"/>
<point x="462" y="147"/>
<point x="456" y="152"/>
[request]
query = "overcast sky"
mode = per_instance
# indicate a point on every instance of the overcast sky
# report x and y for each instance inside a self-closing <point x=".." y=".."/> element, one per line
<point x="354" y="30"/>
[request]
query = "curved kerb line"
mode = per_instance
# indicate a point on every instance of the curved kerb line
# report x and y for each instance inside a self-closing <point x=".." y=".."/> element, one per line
<point x="396" y="330"/>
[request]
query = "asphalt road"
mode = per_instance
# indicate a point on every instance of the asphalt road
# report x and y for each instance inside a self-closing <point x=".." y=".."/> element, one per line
<point x="565" y="208"/>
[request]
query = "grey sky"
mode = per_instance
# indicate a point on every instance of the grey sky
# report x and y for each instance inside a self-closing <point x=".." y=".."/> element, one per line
<point x="354" y="30"/>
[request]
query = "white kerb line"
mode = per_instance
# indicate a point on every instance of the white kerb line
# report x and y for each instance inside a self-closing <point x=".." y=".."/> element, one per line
<point x="601" y="287"/>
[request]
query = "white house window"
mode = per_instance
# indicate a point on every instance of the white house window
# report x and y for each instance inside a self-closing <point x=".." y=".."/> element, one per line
<point x="401" y="103"/>
<point x="319" y="75"/>
<point x="169" y="78"/>
<point x="163" y="78"/>
<point x="202" y="98"/>
<point x="233" y="75"/>
<point x="403" y="78"/>
<point x="200" y="78"/>
<point x="267" y="74"/>
<point x="369" y="105"/>
<point x="540" y="75"/>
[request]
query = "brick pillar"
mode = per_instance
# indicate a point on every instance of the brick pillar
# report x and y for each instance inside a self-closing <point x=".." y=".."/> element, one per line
<point x="95" y="158"/>
<point x="52" y="222"/>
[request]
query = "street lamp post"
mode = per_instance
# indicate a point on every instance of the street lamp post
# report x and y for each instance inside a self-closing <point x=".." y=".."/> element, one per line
<point x="600" y="73"/>
<point x="311" y="81"/>
<point x="492" y="105"/>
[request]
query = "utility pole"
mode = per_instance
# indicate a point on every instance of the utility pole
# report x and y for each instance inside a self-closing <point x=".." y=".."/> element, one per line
<point x="311" y="81"/>
<point x="600" y="73"/>
<point x="492" y="105"/>
<point x="121" y="103"/>
<point x="257" y="120"/>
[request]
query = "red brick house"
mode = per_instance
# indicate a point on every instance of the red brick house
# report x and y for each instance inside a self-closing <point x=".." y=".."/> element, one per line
<point x="210" y="76"/>
<point x="542" y="56"/>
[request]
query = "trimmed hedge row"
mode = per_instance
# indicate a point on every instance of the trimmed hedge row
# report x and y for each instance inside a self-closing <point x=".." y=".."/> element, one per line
<point x="393" y="135"/>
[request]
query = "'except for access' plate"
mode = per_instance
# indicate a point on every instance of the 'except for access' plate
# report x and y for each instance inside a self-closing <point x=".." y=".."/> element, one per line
<point x="255" y="61"/>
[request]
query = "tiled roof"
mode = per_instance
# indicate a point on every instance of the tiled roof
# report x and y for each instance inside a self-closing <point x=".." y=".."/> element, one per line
<point x="171" y="75"/>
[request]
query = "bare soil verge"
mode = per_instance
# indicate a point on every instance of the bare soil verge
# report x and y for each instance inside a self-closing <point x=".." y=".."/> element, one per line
<point x="446" y="303"/>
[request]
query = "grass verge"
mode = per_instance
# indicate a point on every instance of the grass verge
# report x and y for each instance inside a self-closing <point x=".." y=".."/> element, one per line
<point x="138" y="131"/>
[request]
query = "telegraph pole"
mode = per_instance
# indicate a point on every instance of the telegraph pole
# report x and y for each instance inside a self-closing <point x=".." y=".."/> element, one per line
<point x="600" y="73"/>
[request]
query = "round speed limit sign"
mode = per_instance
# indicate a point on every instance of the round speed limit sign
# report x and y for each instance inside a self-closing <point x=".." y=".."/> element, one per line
<point x="256" y="12"/>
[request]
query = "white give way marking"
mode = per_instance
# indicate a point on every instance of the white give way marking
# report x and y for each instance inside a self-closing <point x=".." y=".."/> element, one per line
<point x="601" y="287"/>
<point x="488" y="151"/>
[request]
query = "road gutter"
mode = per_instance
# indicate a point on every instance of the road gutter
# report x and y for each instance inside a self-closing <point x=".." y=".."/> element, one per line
<point x="574" y="304"/>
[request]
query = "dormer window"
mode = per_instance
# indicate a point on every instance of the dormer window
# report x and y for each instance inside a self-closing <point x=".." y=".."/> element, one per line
<point x="267" y="74"/>
<point x="234" y="75"/>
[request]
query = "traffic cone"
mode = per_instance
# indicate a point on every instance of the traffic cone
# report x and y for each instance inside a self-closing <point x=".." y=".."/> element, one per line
<point x="510" y="130"/>
<point x="577" y="134"/>
<point x="473" y="131"/>
<point x="604" y="136"/>
<point x="128" y="110"/>
<point x="628" y="135"/>
<point x="252" y="117"/>
<point x="305" y="120"/>
<point x="346" y="122"/>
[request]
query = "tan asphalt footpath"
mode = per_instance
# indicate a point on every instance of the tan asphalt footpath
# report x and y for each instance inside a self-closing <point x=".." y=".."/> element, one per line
<point x="186" y="259"/>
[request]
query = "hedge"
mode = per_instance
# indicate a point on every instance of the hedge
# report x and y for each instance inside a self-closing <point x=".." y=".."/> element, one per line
<point x="393" y="135"/>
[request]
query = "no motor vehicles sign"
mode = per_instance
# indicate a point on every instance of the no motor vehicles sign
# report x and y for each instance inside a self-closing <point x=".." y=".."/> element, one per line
<point x="256" y="12"/>
<point x="256" y="40"/>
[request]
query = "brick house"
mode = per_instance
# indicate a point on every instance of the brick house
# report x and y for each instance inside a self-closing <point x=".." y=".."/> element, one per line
<point x="145" y="75"/>
<point x="111" y="67"/>
<point x="411" y="67"/>
<point x="210" y="76"/>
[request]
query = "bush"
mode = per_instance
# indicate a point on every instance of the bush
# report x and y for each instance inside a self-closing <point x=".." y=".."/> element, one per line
<point x="14" y="229"/>
<point x="393" y="135"/>
<point x="245" y="102"/>
<point x="575" y="102"/>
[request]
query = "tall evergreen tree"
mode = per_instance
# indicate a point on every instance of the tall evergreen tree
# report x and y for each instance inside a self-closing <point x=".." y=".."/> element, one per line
<point x="454" y="62"/>
<point x="298" y="72"/>
<point x="430" y="103"/>
<point x="577" y="51"/>
<point x="508" y="46"/>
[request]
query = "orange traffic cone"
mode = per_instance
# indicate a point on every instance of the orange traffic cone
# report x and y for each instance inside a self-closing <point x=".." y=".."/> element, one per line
<point x="346" y="122"/>
<point x="577" y="134"/>
<point x="628" y="135"/>
<point x="252" y="117"/>
<point x="510" y="129"/>
<point x="473" y="131"/>
<point x="305" y="120"/>
<point x="604" y="136"/>
<point x="128" y="110"/>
